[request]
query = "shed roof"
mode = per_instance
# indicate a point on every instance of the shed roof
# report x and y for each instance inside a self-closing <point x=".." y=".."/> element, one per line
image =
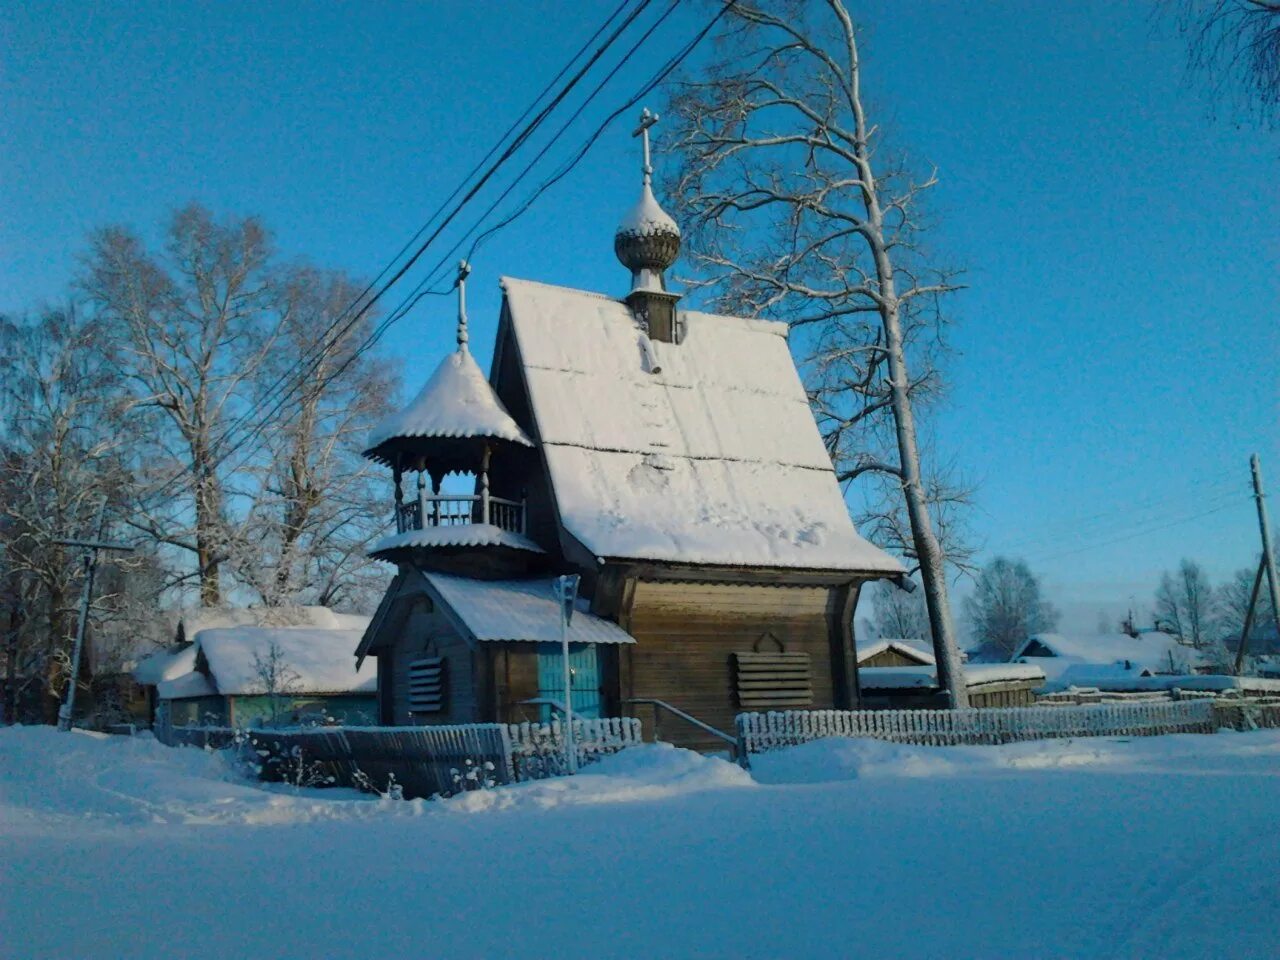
<point x="523" y="610"/>
<point x="716" y="459"/>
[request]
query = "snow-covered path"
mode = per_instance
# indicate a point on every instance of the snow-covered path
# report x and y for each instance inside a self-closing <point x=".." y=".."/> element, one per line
<point x="1161" y="848"/>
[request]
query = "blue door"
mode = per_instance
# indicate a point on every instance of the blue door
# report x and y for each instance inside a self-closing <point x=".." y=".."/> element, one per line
<point x="584" y="678"/>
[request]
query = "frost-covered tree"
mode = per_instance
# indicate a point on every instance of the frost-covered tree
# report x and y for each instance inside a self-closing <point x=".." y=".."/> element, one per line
<point x="190" y="328"/>
<point x="1007" y="606"/>
<point x="246" y="405"/>
<point x="276" y="678"/>
<point x="318" y="505"/>
<point x="1186" y="605"/>
<point x="794" y="209"/>
<point x="1232" y="599"/>
<point x="897" y="614"/>
<point x="60" y="459"/>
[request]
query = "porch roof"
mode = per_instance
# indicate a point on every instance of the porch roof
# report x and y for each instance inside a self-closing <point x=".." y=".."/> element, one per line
<point x="517" y="610"/>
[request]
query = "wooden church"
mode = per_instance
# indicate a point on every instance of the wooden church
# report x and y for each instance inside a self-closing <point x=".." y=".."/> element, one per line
<point x="669" y="458"/>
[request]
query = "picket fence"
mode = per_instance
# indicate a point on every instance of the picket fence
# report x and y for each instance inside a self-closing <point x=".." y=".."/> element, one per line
<point x="759" y="732"/>
<point x="414" y="761"/>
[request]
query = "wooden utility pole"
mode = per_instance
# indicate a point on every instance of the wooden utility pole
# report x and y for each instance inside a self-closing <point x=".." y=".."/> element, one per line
<point x="90" y="561"/>
<point x="1266" y="568"/>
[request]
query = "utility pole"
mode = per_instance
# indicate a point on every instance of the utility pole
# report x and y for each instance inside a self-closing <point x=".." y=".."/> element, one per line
<point x="90" y="561"/>
<point x="1267" y="567"/>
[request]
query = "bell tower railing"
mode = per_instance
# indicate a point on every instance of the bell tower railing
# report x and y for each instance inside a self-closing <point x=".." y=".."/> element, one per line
<point x="455" y="510"/>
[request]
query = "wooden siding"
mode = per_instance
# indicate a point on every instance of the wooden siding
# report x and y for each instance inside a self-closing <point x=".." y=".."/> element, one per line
<point x="686" y="635"/>
<point x="515" y="678"/>
<point x="425" y="632"/>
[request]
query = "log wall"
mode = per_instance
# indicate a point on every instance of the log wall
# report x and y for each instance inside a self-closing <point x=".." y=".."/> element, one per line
<point x="686" y="634"/>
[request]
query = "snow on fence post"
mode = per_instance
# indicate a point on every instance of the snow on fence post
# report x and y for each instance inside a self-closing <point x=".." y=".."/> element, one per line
<point x="759" y="732"/>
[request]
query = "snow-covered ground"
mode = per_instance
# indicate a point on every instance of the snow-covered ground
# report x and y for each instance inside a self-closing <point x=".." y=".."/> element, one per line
<point x="1166" y="847"/>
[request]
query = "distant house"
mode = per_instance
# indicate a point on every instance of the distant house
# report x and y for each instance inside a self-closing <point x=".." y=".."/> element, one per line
<point x="894" y="653"/>
<point x="219" y="673"/>
<point x="1108" y="660"/>
<point x="901" y="674"/>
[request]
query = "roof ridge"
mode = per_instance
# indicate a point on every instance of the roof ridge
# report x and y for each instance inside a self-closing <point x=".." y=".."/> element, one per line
<point x="504" y="279"/>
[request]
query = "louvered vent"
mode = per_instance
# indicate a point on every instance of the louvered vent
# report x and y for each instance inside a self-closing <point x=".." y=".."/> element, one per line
<point x="770" y="681"/>
<point x="426" y="685"/>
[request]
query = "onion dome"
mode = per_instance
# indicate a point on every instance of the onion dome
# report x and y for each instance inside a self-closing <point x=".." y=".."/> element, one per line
<point x="451" y="419"/>
<point x="647" y="241"/>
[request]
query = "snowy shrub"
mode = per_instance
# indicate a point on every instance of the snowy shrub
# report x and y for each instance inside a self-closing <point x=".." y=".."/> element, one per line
<point x="475" y="776"/>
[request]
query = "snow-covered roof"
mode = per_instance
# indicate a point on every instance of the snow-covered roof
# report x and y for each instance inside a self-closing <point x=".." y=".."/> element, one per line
<point x="191" y="620"/>
<point x="459" y="535"/>
<point x="923" y="677"/>
<point x="917" y="650"/>
<point x="714" y="460"/>
<point x="190" y="684"/>
<point x="165" y="665"/>
<point x="647" y="218"/>
<point x="457" y="402"/>
<point x="1153" y="652"/>
<point x="494" y="610"/>
<point x="321" y="659"/>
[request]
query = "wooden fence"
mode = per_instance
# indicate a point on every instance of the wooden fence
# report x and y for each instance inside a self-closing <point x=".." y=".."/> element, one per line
<point x="413" y="761"/>
<point x="758" y="732"/>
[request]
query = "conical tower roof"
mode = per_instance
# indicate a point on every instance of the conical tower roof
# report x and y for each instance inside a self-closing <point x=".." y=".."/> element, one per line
<point x="448" y="420"/>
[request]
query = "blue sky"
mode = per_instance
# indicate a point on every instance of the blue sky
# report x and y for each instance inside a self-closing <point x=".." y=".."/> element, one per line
<point x="1116" y="348"/>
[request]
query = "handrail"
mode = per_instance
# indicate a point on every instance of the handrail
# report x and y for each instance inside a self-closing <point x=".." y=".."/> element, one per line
<point x="731" y="740"/>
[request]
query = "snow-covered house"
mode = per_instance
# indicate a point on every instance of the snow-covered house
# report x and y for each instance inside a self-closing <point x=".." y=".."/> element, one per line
<point x="894" y="653"/>
<point x="902" y="674"/>
<point x="251" y="666"/>
<point x="667" y="456"/>
<point x="1107" y="660"/>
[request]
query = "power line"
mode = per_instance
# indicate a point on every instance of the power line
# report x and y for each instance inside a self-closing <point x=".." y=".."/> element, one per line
<point x="1142" y="533"/>
<point x="303" y="367"/>
<point x="418" y="293"/>
<point x="1125" y="514"/>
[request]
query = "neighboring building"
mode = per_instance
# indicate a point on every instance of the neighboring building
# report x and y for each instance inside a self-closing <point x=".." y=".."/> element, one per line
<point x="901" y="674"/>
<point x="1108" y="660"/>
<point x="668" y="457"/>
<point x="222" y="676"/>
<point x="895" y="653"/>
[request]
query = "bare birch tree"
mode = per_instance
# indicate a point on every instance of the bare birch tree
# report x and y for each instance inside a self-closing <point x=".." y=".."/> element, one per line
<point x="792" y="210"/>
<point x="61" y="457"/>
<point x="318" y="506"/>
<point x="190" y="331"/>
<point x="1007" y="607"/>
<point x="1186" y="604"/>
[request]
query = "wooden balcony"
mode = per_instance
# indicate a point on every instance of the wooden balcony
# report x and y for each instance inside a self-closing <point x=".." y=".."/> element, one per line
<point x="440" y="510"/>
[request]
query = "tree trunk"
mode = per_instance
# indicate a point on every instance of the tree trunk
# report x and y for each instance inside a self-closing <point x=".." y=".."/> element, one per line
<point x="928" y="551"/>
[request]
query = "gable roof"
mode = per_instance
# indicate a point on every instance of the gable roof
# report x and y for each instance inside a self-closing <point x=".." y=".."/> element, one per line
<point x="525" y="610"/>
<point x="917" y="650"/>
<point x="715" y="459"/>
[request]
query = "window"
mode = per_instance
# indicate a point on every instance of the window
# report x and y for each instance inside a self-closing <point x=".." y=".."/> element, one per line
<point x="426" y="685"/>
<point x="772" y="681"/>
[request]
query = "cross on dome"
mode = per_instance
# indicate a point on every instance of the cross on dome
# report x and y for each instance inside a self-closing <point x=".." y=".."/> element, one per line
<point x="464" y="271"/>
